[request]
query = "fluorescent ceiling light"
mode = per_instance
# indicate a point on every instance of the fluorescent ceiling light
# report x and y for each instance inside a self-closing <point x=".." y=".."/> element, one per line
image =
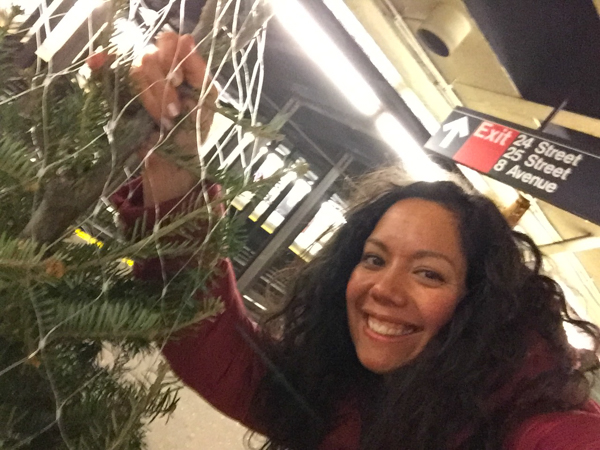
<point x="353" y="26"/>
<point x="45" y="14"/>
<point x="379" y="59"/>
<point x="271" y="165"/>
<point x="319" y="46"/>
<point x="129" y="36"/>
<point x="414" y="159"/>
<point x="417" y="107"/>
<point x="66" y="27"/>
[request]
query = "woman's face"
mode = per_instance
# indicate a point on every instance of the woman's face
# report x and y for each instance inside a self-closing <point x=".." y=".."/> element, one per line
<point x="405" y="288"/>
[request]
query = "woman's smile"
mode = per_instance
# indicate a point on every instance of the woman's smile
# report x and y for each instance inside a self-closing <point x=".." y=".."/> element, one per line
<point x="381" y="327"/>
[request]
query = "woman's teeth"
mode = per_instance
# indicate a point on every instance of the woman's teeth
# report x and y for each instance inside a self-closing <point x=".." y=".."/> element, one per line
<point x="388" y="328"/>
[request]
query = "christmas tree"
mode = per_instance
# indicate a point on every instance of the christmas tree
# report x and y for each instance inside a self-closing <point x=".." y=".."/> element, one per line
<point x="74" y="319"/>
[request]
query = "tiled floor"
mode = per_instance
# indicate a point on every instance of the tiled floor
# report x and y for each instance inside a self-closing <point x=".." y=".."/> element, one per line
<point x="196" y="425"/>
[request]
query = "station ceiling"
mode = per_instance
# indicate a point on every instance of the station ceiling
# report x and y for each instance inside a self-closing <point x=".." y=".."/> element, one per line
<point x="520" y="60"/>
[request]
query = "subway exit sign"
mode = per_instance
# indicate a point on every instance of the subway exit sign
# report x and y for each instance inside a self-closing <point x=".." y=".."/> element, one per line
<point x="544" y="166"/>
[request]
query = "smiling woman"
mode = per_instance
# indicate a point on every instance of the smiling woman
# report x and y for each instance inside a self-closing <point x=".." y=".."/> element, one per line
<point x="424" y="323"/>
<point x="424" y="309"/>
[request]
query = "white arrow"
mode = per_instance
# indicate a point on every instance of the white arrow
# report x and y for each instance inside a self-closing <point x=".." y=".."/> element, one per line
<point x="458" y="127"/>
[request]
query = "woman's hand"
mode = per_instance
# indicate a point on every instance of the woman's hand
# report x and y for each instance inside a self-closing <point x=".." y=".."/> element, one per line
<point x="160" y="72"/>
<point x="156" y="78"/>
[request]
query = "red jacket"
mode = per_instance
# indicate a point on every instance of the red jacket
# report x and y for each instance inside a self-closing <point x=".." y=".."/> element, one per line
<point x="216" y="360"/>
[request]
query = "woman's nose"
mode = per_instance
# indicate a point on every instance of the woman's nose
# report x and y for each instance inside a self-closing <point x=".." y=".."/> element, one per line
<point x="390" y="286"/>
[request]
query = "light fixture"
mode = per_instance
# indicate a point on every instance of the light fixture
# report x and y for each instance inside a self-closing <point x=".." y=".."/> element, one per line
<point x="271" y="164"/>
<point x="129" y="36"/>
<point x="330" y="59"/>
<point x="353" y="26"/>
<point x="66" y="27"/>
<point x="46" y="11"/>
<point x="414" y="159"/>
<point x="444" y="29"/>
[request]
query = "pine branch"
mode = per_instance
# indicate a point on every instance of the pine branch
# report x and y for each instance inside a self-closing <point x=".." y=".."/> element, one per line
<point x="157" y="399"/>
<point x="185" y="224"/>
<point x="103" y="409"/>
<point x="112" y="321"/>
<point x="57" y="212"/>
<point x="62" y="148"/>
<point x="92" y="305"/>
<point x="16" y="165"/>
<point x="19" y="256"/>
<point x="100" y="407"/>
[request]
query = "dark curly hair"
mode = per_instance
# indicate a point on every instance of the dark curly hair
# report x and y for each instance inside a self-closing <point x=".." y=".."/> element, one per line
<point x="448" y="395"/>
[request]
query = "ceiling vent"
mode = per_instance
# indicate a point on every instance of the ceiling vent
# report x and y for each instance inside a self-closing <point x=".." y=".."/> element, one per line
<point x="444" y="29"/>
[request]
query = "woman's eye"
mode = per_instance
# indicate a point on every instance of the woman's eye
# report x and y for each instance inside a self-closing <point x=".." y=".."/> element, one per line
<point x="431" y="275"/>
<point x="370" y="259"/>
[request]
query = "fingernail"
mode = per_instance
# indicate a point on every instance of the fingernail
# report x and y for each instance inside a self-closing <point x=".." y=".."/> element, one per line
<point x="166" y="123"/>
<point x="175" y="78"/>
<point x="173" y="110"/>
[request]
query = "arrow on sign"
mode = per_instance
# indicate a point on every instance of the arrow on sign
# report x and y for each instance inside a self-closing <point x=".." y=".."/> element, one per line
<point x="458" y="127"/>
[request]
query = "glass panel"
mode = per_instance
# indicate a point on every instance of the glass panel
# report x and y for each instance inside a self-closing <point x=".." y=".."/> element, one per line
<point x="319" y="230"/>
<point x="271" y="164"/>
<point x="299" y="191"/>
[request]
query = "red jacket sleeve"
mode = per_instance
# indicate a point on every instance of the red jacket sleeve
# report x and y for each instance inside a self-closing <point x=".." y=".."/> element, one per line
<point x="569" y="430"/>
<point x="215" y="357"/>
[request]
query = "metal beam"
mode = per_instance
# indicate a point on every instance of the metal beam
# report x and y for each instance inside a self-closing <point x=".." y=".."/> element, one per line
<point x="573" y="245"/>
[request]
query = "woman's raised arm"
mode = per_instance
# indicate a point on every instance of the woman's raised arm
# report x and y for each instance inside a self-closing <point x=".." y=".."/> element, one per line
<point x="216" y="357"/>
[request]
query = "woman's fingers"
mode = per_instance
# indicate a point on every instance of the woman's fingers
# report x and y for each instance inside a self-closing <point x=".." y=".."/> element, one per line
<point x="168" y="52"/>
<point x="179" y="59"/>
<point x="157" y="95"/>
<point x="194" y="67"/>
<point x="160" y="72"/>
<point x="142" y="85"/>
